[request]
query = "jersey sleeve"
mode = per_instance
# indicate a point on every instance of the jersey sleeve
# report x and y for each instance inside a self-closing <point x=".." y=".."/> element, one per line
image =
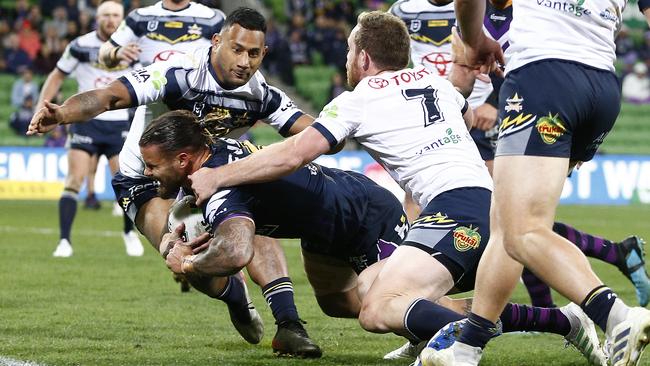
<point x="126" y="32"/>
<point x="68" y="62"/>
<point x="150" y="84"/>
<point x="280" y="111"/>
<point x="340" y="118"/>
<point x="226" y="204"/>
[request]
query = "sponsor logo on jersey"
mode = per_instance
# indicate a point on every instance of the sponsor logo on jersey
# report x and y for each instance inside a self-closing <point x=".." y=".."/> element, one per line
<point x="173" y="25"/>
<point x="330" y="111"/>
<point x="140" y="75"/>
<point x="437" y="220"/>
<point x="438" y="23"/>
<point x="566" y="6"/>
<point x="164" y="38"/>
<point x="415" y="25"/>
<point x="513" y="104"/>
<point x="158" y="80"/>
<point x="152" y="25"/>
<point x="194" y="30"/>
<point x="498" y="18"/>
<point x="451" y="138"/>
<point x="550" y="128"/>
<point x="518" y="123"/>
<point x="408" y="76"/>
<point x="441" y="62"/>
<point x="466" y="238"/>
<point x="124" y="202"/>
<point x="81" y="139"/>
<point x="166" y="55"/>
<point x="377" y="83"/>
<point x="610" y="15"/>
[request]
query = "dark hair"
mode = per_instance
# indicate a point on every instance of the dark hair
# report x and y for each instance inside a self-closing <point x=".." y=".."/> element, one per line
<point x="248" y="18"/>
<point x="175" y="131"/>
<point x="385" y="38"/>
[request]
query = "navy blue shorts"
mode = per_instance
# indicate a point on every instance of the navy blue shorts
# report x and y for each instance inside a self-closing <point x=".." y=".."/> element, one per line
<point x="133" y="193"/>
<point x="97" y="137"/>
<point x="485" y="141"/>
<point x="557" y="108"/>
<point x="383" y="228"/>
<point x="455" y="228"/>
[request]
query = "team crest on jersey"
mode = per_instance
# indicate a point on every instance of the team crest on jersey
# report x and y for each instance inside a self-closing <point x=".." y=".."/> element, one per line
<point x="515" y="124"/>
<point x="377" y="83"/>
<point x="513" y="104"/>
<point x="466" y="238"/>
<point x="415" y="25"/>
<point x="152" y="25"/>
<point x="550" y="128"/>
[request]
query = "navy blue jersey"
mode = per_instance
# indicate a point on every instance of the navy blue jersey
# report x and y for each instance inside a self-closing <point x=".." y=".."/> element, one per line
<point x="317" y="204"/>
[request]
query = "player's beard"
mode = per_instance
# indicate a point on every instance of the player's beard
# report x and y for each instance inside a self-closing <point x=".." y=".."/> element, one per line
<point x="169" y="189"/>
<point x="353" y="74"/>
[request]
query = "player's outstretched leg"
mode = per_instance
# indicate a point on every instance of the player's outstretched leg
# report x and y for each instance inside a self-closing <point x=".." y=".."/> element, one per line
<point x="631" y="263"/>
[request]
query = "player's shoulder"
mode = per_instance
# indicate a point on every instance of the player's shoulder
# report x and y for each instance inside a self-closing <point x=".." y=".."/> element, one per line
<point x="89" y="39"/>
<point x="412" y="8"/>
<point x="203" y="11"/>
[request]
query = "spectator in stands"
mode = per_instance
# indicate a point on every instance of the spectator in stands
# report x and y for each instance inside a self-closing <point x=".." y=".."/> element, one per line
<point x="299" y="48"/>
<point x="28" y="39"/>
<point x="24" y="87"/>
<point x="338" y="85"/>
<point x="56" y="138"/>
<point x="624" y="43"/>
<point x="22" y="10"/>
<point x="14" y="56"/>
<point x="72" y="10"/>
<point x="45" y="60"/>
<point x="302" y="8"/>
<point x="49" y="5"/>
<point x="636" y="85"/>
<point x="35" y="17"/>
<point x="19" y="120"/>
<point x="86" y="23"/>
<point x="338" y="51"/>
<point x="278" y="55"/>
<point x="59" y="21"/>
<point x="52" y="40"/>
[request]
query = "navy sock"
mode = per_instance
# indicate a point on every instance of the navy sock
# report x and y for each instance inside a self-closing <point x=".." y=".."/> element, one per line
<point x="597" y="305"/>
<point x="279" y="295"/>
<point x="540" y="293"/>
<point x="478" y="331"/>
<point x="128" y="224"/>
<point x="234" y="293"/>
<point x="523" y="318"/>
<point x="424" y="318"/>
<point x="67" y="212"/>
<point x="592" y="246"/>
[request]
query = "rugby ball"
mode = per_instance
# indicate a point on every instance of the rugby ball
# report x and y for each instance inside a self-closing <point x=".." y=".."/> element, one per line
<point x="184" y="210"/>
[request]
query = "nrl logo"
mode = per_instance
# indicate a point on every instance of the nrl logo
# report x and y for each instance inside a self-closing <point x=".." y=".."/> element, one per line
<point x="466" y="238"/>
<point x="514" y="103"/>
<point x="415" y="26"/>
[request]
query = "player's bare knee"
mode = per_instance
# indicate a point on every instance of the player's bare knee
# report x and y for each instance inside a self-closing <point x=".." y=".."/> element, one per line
<point x="370" y="316"/>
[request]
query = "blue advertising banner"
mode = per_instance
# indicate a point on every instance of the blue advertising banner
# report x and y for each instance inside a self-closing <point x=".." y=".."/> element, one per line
<point x="39" y="173"/>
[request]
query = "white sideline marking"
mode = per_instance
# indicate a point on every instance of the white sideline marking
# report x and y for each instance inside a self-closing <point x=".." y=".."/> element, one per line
<point x="4" y="361"/>
<point x="52" y="231"/>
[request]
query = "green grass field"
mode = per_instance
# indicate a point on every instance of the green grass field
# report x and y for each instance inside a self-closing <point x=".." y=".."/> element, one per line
<point x="101" y="307"/>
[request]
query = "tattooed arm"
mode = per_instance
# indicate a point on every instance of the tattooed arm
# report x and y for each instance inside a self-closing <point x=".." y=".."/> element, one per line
<point x="81" y="107"/>
<point x="227" y="253"/>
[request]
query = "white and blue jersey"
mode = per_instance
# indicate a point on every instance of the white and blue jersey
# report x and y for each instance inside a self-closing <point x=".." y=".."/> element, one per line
<point x="334" y="212"/>
<point x="161" y="33"/>
<point x="189" y="82"/>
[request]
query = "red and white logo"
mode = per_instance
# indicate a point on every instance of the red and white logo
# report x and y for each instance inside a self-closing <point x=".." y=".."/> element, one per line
<point x="377" y="83"/>
<point x="166" y="55"/>
<point x="441" y="62"/>
<point x="102" y="81"/>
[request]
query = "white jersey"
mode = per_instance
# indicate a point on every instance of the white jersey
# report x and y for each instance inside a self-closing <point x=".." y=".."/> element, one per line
<point x="80" y="60"/>
<point x="161" y="33"/>
<point x="411" y="122"/>
<point x="429" y="27"/>
<point x="189" y="82"/>
<point x="575" y="30"/>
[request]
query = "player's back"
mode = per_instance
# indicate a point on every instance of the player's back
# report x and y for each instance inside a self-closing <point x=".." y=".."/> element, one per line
<point x="160" y="33"/>
<point x="411" y="122"/>
<point x="315" y="203"/>
<point x="580" y="31"/>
